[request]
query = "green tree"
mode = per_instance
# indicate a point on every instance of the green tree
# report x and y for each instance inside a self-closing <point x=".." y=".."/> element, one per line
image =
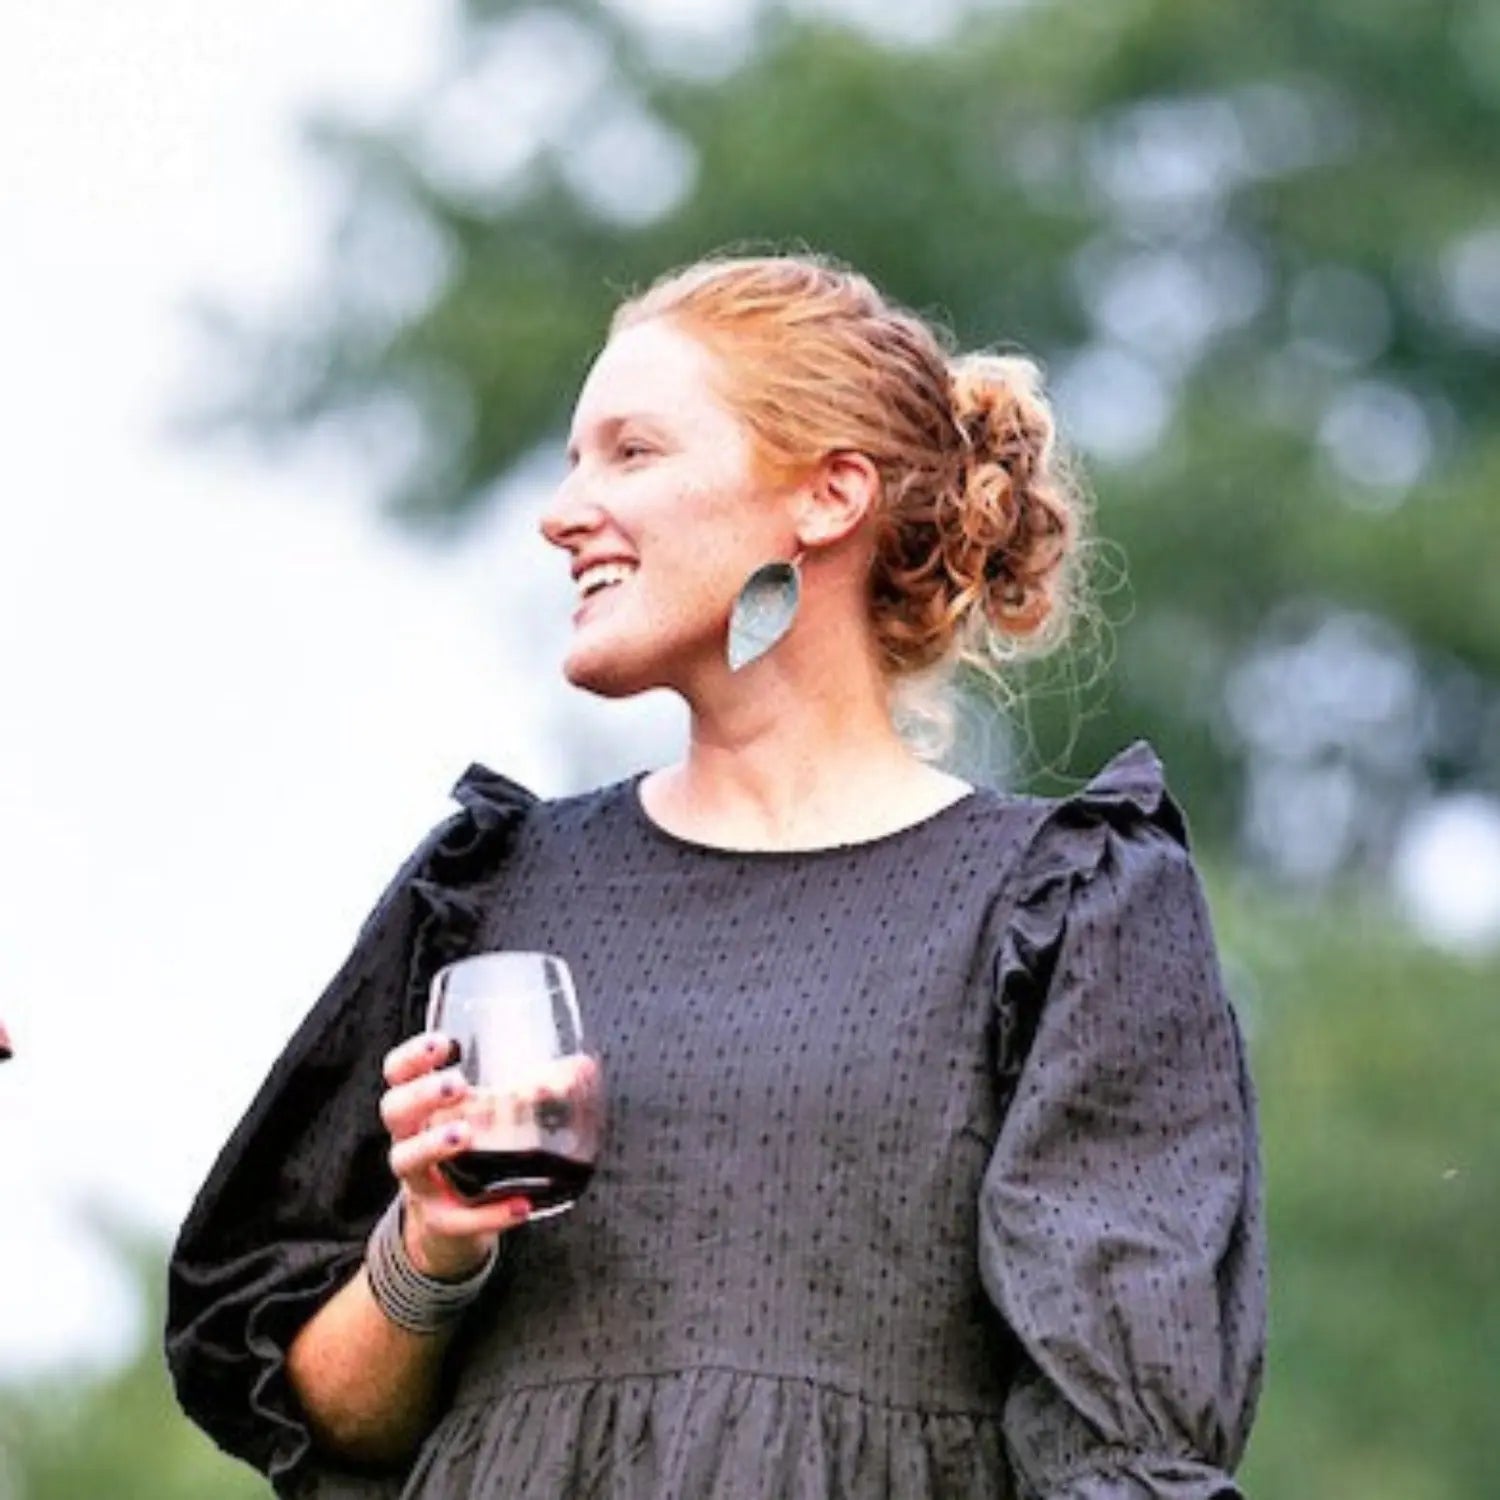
<point x="1373" y="1057"/>
<point x="116" y="1433"/>
<point x="1257" y="247"/>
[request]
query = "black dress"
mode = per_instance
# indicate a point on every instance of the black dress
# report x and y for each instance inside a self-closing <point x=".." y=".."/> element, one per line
<point x="931" y="1168"/>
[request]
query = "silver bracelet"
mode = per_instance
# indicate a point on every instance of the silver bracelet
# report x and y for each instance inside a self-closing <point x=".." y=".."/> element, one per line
<point x="410" y="1299"/>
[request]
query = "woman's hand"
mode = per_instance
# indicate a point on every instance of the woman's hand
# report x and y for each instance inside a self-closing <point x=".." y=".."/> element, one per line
<point x="446" y="1237"/>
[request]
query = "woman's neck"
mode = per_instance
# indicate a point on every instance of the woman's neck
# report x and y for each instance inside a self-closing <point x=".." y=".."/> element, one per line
<point x="784" y="764"/>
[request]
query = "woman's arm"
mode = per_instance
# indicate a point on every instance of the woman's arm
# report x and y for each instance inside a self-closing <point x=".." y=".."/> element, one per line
<point x="1121" y="1233"/>
<point x="278" y="1231"/>
<point x="366" y="1384"/>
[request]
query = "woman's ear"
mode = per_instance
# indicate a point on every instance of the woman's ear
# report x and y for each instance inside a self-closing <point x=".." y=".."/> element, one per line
<point x="836" y="498"/>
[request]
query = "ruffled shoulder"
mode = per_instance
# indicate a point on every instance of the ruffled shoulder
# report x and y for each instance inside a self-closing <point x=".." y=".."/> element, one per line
<point x="1129" y="792"/>
<point x="281" y="1220"/>
<point x="448" y="885"/>
<point x="1131" y="778"/>
<point x="492" y="800"/>
<point x="1126" y="800"/>
<point x="1128" y="1121"/>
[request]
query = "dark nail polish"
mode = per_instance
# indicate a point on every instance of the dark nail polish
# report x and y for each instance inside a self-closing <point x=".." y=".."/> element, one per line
<point x="552" y="1114"/>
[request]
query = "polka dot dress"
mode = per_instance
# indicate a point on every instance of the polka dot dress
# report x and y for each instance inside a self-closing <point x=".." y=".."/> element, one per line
<point x="834" y="1084"/>
<point x="931" y="1170"/>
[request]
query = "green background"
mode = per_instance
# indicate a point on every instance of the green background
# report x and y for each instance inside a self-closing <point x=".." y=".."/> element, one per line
<point x="1258" y="250"/>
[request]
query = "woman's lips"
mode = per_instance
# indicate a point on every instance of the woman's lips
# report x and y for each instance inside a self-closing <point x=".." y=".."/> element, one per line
<point x="592" y="603"/>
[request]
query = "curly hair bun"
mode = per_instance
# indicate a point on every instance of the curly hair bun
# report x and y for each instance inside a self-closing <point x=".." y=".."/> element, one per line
<point x="1006" y="540"/>
<point x="978" y="523"/>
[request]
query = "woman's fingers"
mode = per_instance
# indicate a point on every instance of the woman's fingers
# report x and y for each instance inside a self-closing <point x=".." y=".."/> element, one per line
<point x="406" y="1108"/>
<point x="421" y="1083"/>
<point x="576" y="1073"/>
<point x="445" y="1215"/>
<point x="415" y="1157"/>
<point x="475" y="1223"/>
<point x="416" y="1161"/>
<point x="424" y="1110"/>
<point x="417" y="1055"/>
<point x="431" y="1113"/>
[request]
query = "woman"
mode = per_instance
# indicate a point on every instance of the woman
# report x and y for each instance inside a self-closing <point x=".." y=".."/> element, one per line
<point x="931" y="1167"/>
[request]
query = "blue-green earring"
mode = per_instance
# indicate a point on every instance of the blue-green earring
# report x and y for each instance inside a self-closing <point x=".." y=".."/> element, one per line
<point x="763" y="611"/>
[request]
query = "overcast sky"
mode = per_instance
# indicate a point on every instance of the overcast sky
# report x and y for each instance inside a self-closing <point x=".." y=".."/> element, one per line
<point x="233" y="700"/>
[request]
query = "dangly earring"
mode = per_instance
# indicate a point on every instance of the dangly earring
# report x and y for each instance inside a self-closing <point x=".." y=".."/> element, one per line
<point x="764" y="610"/>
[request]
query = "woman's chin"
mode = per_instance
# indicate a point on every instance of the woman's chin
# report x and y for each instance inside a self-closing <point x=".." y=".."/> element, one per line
<point x="621" y="662"/>
<point x="607" y="674"/>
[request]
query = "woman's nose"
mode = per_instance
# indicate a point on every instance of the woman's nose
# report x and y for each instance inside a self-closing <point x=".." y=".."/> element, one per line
<point x="570" y="515"/>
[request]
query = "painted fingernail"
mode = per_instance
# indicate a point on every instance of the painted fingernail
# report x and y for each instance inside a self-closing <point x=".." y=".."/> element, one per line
<point x="552" y="1114"/>
<point x="453" y="1135"/>
<point x="520" y="1210"/>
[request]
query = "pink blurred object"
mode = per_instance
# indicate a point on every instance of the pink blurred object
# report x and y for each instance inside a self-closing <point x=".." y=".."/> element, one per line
<point x="4" y="1042"/>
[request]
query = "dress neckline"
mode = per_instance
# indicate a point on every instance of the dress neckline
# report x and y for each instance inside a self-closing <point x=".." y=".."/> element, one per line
<point x="632" y="792"/>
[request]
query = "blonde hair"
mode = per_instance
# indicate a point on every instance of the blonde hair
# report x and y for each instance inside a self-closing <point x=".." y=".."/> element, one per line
<point x="978" y="525"/>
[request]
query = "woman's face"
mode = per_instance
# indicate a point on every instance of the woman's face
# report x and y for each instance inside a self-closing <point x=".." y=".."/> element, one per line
<point x="661" y="514"/>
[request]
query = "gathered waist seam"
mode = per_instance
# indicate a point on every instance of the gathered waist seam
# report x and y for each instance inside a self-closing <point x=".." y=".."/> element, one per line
<point x="481" y="1389"/>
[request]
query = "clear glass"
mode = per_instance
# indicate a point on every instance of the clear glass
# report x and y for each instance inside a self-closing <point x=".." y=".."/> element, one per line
<point x="535" y="1105"/>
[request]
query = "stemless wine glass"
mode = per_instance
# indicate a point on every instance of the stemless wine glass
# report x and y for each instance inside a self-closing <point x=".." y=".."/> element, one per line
<point x="535" y="1106"/>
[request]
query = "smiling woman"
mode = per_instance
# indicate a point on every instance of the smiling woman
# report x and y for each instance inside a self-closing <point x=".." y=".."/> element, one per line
<point x="658" y="513"/>
<point x="931" y="1167"/>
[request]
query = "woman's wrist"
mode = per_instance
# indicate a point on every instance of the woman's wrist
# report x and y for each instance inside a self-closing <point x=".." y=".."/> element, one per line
<point x="455" y="1261"/>
<point x="411" y="1298"/>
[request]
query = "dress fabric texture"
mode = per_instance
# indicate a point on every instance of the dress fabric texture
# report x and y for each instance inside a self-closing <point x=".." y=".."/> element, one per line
<point x="931" y="1168"/>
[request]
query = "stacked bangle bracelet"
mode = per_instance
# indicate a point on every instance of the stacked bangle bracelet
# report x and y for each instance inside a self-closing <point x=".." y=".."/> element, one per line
<point x="410" y="1299"/>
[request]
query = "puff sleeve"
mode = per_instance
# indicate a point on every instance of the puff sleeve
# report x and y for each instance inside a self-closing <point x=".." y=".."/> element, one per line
<point x="280" y="1222"/>
<point x="1120" y="1216"/>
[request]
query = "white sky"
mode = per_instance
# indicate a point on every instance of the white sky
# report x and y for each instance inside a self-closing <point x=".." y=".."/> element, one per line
<point x="233" y="701"/>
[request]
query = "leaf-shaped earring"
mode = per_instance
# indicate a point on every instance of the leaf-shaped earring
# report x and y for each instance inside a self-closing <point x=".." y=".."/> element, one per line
<point x="763" y="611"/>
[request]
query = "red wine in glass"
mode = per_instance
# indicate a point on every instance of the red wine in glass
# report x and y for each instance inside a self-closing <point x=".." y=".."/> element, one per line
<point x="535" y="1109"/>
<point x="548" y="1182"/>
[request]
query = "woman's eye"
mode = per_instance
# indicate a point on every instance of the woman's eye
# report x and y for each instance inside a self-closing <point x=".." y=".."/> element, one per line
<point x="632" y="451"/>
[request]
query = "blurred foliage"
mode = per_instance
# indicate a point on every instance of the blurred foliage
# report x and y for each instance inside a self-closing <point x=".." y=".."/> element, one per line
<point x="115" y="1434"/>
<point x="1375" y="1059"/>
<point x="1258" y="248"/>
